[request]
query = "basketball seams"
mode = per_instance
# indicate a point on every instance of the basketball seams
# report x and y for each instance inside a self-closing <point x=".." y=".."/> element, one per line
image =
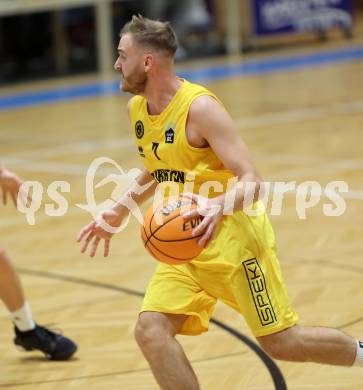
<point x="181" y="239"/>
<point x="164" y="224"/>
<point x="156" y="230"/>
<point x="163" y="253"/>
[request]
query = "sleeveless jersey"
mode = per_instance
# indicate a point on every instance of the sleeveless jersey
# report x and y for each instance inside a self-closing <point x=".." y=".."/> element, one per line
<point x="167" y="155"/>
<point x="240" y="265"/>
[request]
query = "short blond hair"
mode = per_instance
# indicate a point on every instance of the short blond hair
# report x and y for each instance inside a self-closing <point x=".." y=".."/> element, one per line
<point x="152" y="33"/>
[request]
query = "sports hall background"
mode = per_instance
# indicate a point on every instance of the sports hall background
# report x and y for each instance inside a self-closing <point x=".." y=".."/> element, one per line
<point x="292" y="81"/>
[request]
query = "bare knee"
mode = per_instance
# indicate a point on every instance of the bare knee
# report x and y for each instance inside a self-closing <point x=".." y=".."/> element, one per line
<point x="152" y="330"/>
<point x="274" y="349"/>
<point x="284" y="345"/>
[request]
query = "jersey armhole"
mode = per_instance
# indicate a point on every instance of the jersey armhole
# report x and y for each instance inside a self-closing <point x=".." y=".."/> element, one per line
<point x="185" y="140"/>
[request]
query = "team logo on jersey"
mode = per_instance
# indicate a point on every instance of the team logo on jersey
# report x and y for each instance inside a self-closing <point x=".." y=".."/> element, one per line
<point x="139" y="129"/>
<point x="169" y="136"/>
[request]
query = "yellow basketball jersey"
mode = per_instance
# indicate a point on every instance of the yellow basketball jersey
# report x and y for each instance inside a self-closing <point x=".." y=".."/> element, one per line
<point x="167" y="155"/>
<point x="240" y="265"/>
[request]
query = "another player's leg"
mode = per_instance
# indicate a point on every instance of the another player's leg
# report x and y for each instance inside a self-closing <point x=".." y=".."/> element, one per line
<point x="155" y="334"/>
<point x="29" y="335"/>
<point x="312" y="344"/>
<point x="11" y="291"/>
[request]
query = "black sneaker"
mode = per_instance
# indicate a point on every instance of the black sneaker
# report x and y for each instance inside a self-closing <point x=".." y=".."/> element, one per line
<point x="53" y="345"/>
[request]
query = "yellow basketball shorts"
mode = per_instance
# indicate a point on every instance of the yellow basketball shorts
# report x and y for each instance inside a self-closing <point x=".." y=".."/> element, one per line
<point x="239" y="267"/>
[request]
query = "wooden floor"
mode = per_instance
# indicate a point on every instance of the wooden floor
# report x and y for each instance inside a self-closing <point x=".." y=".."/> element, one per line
<point x="300" y="125"/>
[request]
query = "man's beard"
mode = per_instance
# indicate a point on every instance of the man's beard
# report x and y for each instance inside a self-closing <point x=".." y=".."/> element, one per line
<point x="135" y="83"/>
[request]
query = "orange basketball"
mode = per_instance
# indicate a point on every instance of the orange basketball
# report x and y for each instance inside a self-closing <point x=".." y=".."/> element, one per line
<point x="167" y="236"/>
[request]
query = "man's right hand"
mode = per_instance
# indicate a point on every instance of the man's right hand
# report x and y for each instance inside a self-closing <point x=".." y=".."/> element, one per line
<point x="95" y="232"/>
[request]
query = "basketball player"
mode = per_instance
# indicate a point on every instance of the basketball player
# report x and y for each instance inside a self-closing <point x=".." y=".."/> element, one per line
<point x="28" y="334"/>
<point x="182" y="127"/>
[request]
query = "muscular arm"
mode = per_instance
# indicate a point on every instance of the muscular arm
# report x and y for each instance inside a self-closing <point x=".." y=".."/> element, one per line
<point x="209" y="122"/>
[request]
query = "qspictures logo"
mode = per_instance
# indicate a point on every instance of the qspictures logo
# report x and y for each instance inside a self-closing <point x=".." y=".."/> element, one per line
<point x="308" y="194"/>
